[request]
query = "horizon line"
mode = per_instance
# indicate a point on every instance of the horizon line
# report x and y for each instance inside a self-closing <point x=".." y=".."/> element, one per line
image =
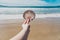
<point x="29" y="6"/>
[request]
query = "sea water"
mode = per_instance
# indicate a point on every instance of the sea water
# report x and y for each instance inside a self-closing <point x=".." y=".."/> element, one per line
<point x="17" y="13"/>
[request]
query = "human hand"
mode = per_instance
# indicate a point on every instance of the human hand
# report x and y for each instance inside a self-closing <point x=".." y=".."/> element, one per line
<point x="26" y="25"/>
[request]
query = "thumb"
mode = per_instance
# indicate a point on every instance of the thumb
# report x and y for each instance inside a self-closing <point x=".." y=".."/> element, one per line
<point x="28" y="20"/>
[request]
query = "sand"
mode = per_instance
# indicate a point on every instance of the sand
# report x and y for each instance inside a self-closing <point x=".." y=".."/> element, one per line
<point x="41" y="29"/>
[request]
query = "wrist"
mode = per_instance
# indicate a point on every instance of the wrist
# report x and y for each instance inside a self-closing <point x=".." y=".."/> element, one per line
<point x="25" y="26"/>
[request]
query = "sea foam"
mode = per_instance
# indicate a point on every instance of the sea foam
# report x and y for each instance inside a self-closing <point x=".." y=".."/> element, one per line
<point x="20" y="16"/>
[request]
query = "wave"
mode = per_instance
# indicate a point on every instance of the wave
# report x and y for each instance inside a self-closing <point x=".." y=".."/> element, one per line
<point x="4" y="17"/>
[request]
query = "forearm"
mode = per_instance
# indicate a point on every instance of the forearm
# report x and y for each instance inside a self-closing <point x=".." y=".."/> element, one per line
<point x="23" y="34"/>
<point x="20" y="35"/>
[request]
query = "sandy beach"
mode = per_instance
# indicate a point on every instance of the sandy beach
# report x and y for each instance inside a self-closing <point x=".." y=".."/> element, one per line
<point x="41" y="29"/>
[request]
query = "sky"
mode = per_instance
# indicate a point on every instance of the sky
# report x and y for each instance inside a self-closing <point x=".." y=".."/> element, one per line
<point x="30" y="2"/>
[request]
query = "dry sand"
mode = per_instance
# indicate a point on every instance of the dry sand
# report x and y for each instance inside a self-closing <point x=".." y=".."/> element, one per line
<point x="41" y="29"/>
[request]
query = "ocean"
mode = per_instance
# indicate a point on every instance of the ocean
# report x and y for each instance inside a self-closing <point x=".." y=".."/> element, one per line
<point x="17" y="13"/>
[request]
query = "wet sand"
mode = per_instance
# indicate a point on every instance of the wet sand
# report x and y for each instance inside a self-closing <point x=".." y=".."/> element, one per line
<point x="41" y="29"/>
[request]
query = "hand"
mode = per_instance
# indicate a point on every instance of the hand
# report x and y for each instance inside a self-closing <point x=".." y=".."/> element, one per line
<point x="26" y="25"/>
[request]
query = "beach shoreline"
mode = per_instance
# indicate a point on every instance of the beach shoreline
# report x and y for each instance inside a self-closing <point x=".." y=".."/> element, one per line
<point x="20" y="16"/>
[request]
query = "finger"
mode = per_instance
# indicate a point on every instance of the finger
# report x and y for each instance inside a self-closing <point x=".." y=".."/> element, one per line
<point x="27" y="21"/>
